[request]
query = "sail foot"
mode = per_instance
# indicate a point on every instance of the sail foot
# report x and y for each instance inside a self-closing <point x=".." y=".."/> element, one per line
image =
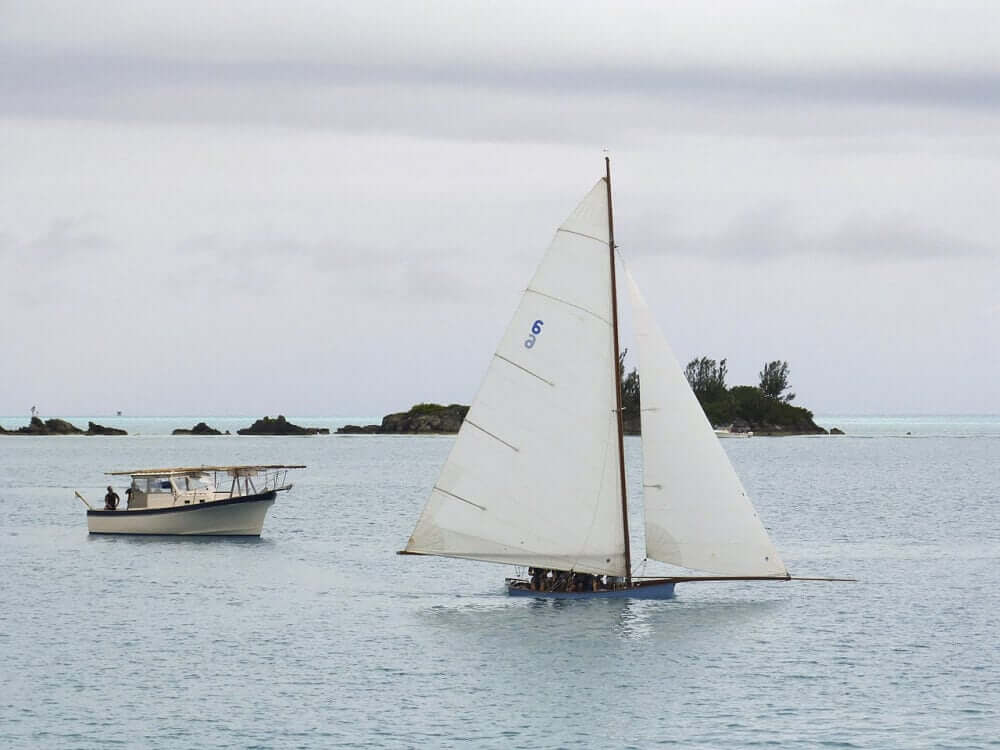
<point x="612" y="564"/>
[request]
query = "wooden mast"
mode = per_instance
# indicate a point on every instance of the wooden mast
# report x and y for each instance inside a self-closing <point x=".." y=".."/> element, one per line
<point x="618" y="383"/>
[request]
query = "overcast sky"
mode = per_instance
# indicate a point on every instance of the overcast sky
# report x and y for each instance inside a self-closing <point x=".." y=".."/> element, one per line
<point x="332" y="208"/>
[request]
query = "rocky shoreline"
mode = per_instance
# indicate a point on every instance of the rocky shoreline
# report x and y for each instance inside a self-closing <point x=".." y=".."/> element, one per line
<point x="61" y="427"/>
<point x="803" y="426"/>
<point x="422" y="419"/>
<point x="280" y="426"/>
<point x="199" y="429"/>
<point x="264" y="426"/>
<point x="435" y="419"/>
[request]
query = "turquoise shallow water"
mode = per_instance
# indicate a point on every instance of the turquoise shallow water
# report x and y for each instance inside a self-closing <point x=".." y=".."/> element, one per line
<point x="317" y="635"/>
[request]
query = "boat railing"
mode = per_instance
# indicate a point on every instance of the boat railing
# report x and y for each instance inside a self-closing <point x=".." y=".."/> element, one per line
<point x="274" y="480"/>
<point x="254" y="483"/>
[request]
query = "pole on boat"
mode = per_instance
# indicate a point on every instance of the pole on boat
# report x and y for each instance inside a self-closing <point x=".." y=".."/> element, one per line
<point x="83" y="499"/>
<point x="618" y="383"/>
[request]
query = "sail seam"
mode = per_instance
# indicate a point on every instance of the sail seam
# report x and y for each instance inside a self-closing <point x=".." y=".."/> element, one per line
<point x="511" y="362"/>
<point x="498" y="439"/>
<point x="459" y="497"/>
<point x="581" y="234"/>
<point x="570" y="304"/>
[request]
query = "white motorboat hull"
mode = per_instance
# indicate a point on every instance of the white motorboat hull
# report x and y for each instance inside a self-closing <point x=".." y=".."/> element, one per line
<point x="239" y="516"/>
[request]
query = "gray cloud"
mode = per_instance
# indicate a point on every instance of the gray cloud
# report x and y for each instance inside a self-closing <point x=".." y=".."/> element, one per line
<point x="773" y="231"/>
<point x="65" y="238"/>
<point x="97" y="85"/>
<point x="68" y="236"/>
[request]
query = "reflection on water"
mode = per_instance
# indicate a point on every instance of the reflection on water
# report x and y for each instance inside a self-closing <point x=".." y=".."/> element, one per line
<point x="192" y="540"/>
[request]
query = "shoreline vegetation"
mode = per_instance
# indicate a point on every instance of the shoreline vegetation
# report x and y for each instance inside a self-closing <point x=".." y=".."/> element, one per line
<point x="765" y="409"/>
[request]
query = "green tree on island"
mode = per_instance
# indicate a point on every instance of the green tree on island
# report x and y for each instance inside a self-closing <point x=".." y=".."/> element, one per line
<point x="630" y="385"/>
<point x="707" y="378"/>
<point x="774" y="381"/>
<point x="765" y="408"/>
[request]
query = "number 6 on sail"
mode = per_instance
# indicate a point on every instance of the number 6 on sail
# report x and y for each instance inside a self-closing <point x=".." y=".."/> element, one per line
<point x="535" y="330"/>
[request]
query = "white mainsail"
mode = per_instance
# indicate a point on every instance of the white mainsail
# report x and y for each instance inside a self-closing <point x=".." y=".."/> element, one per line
<point x="697" y="513"/>
<point x="533" y="476"/>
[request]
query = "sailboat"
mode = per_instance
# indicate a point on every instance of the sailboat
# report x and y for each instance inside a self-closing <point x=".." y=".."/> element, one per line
<point x="536" y="477"/>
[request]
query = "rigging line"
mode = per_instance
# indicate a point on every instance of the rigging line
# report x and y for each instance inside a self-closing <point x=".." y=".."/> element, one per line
<point x="581" y="234"/>
<point x="459" y="497"/>
<point x="535" y="375"/>
<point x="567" y="302"/>
<point x="498" y="439"/>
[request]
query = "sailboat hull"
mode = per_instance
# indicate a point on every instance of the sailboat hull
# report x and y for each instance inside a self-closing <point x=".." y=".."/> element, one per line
<point x="655" y="589"/>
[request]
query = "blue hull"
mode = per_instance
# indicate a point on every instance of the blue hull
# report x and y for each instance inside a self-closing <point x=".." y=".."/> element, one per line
<point x="645" y="590"/>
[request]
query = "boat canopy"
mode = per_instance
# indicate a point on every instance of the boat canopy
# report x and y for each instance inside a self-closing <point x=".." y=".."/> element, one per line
<point x="192" y="470"/>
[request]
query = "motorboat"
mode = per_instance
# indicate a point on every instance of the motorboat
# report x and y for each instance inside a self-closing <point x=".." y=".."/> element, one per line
<point x="186" y="500"/>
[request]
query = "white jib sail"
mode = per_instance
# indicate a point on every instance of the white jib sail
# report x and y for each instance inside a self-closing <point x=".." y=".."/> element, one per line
<point x="533" y="476"/>
<point x="697" y="513"/>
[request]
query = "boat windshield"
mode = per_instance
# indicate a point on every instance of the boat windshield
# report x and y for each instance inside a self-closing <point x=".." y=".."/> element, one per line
<point x="194" y="482"/>
<point x="183" y="483"/>
<point x="154" y="485"/>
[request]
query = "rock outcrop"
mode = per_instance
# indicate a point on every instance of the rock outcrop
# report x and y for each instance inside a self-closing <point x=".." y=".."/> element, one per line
<point x="96" y="429"/>
<point x="61" y="427"/>
<point x="425" y="419"/>
<point x="777" y="430"/>
<point x="422" y="419"/>
<point x="48" y="427"/>
<point x="431" y="419"/>
<point x="353" y="429"/>
<point x="199" y="429"/>
<point x="836" y="431"/>
<point x="280" y="426"/>
<point x="804" y="426"/>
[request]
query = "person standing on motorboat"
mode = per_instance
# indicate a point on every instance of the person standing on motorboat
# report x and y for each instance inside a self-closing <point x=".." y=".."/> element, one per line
<point x="111" y="500"/>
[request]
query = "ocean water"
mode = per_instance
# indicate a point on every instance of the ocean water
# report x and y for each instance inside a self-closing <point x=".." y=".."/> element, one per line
<point x="317" y="635"/>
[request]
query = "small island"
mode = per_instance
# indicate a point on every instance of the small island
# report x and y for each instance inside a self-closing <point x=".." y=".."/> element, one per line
<point x="280" y="426"/>
<point x="764" y="409"/>
<point x="97" y="429"/>
<point x="199" y="429"/>
<point x="421" y="419"/>
<point x="61" y="427"/>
